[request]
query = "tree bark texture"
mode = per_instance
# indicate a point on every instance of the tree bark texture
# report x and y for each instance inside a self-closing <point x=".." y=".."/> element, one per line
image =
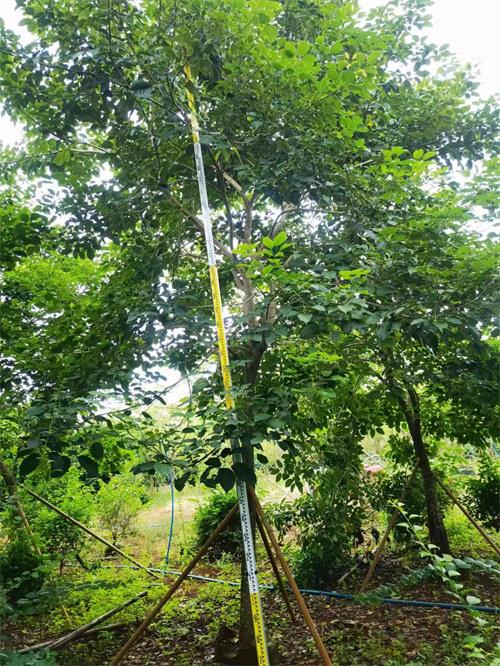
<point x="435" y="522"/>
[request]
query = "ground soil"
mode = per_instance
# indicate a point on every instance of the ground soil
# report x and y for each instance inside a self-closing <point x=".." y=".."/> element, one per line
<point x="353" y="633"/>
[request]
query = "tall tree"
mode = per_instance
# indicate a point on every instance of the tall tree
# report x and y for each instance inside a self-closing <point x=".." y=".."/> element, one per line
<point x="414" y="320"/>
<point x="310" y="114"/>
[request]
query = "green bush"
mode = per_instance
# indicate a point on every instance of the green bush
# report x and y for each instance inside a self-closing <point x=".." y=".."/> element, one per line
<point x="463" y="536"/>
<point x="118" y="504"/>
<point x="326" y="520"/>
<point x="483" y="493"/>
<point x="208" y="516"/>
<point x="325" y="537"/>
<point x="388" y="488"/>
<point x="21" y="570"/>
<point x="58" y="537"/>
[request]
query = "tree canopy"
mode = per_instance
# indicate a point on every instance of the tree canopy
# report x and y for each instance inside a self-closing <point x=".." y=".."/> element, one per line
<point x="332" y="141"/>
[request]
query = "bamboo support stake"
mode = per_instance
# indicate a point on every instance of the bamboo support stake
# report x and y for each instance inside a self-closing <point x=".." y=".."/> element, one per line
<point x="390" y="526"/>
<point x="73" y="635"/>
<point x="478" y="527"/>
<point x="119" y="656"/>
<point x="91" y="532"/>
<point x="276" y="571"/>
<point x="291" y="581"/>
<point x="11" y="485"/>
<point x="116" y="626"/>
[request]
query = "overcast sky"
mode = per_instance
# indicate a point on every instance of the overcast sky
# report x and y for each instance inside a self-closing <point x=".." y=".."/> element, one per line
<point x="470" y="27"/>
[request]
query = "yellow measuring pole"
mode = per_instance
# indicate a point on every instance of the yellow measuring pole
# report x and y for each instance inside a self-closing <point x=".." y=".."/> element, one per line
<point x="246" y="528"/>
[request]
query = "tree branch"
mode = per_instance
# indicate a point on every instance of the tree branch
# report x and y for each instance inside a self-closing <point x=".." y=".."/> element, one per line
<point x="239" y="276"/>
<point x="199" y="225"/>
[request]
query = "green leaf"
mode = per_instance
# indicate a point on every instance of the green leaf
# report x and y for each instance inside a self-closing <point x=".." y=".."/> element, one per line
<point x="226" y="478"/>
<point x="89" y="465"/>
<point x="280" y="238"/>
<point x="309" y="331"/>
<point x="62" y="157"/>
<point x="97" y="450"/>
<point x="140" y="84"/>
<point x="181" y="481"/>
<point x="163" y="469"/>
<point x="59" y="465"/>
<point x="472" y="640"/>
<point x="29" y="464"/>
<point x="472" y="600"/>
<point x="147" y="467"/>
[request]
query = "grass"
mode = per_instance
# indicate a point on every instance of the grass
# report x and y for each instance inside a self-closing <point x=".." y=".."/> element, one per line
<point x="154" y="520"/>
<point x="465" y="538"/>
<point x="185" y="632"/>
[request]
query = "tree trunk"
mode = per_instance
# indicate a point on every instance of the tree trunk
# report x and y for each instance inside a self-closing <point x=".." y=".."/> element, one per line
<point x="246" y="637"/>
<point x="437" y="531"/>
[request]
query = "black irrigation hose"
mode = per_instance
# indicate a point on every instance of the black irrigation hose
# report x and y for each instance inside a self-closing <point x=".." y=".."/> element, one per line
<point x="341" y="595"/>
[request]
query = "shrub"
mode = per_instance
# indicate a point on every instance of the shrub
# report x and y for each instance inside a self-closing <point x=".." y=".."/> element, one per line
<point x="118" y="504"/>
<point x="327" y="520"/>
<point x="58" y="536"/>
<point x="208" y="516"/>
<point x="21" y="570"/>
<point x="388" y="488"/>
<point x="483" y="493"/>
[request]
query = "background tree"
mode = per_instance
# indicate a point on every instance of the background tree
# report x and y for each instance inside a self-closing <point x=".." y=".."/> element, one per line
<point x="415" y="318"/>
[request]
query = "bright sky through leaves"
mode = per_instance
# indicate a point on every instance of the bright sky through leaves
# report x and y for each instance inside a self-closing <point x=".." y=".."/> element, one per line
<point x="469" y="27"/>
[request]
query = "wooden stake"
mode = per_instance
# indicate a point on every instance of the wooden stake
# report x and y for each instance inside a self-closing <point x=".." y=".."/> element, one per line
<point x="116" y="626"/>
<point x="73" y="635"/>
<point x="291" y="581"/>
<point x="390" y="526"/>
<point x="277" y="574"/>
<point x="478" y="527"/>
<point x="11" y="485"/>
<point x="119" y="656"/>
<point x="91" y="532"/>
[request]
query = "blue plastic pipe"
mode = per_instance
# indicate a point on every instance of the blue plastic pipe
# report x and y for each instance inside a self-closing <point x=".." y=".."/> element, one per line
<point x="172" y="516"/>
<point x="346" y="597"/>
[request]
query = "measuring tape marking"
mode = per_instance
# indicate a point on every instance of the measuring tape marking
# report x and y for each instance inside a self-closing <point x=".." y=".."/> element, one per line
<point x="245" y="519"/>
